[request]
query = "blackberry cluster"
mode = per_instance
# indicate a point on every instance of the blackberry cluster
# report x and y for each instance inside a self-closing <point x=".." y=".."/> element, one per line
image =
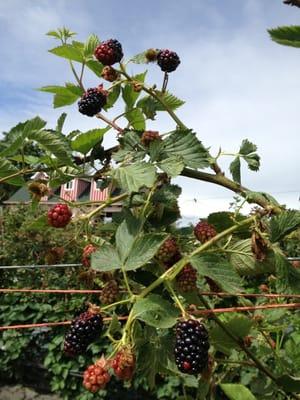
<point x="187" y="279"/>
<point x="168" y="250"/>
<point x="84" y="329"/>
<point x="191" y="347"/>
<point x="167" y="60"/>
<point x="92" y="101"/>
<point x="59" y="216"/>
<point x="204" y="231"/>
<point x="124" y="364"/>
<point x="109" y="52"/>
<point x="109" y="74"/>
<point x="149" y="136"/>
<point x="86" y="254"/>
<point x="110" y="292"/>
<point x="96" y="376"/>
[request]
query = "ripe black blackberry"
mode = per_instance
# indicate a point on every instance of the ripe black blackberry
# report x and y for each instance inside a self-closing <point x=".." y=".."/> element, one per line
<point x="92" y="101"/>
<point x="109" y="52"/>
<point x="167" y="60"/>
<point x="191" y="347"/>
<point x="83" y="330"/>
<point x="187" y="279"/>
<point x="204" y="231"/>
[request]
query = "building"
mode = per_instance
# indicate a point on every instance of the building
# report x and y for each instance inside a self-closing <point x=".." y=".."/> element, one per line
<point x="77" y="190"/>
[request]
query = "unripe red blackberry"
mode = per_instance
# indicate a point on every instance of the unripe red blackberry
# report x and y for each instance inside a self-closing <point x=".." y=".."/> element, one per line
<point x="167" y="250"/>
<point x="92" y="101"/>
<point x="109" y="74"/>
<point x="109" y="52"/>
<point x="59" y="216"/>
<point x="149" y="136"/>
<point x="83" y="331"/>
<point x="191" y="347"/>
<point x="124" y="364"/>
<point x="96" y="376"/>
<point x="110" y="292"/>
<point x="167" y="60"/>
<point x="204" y="231"/>
<point x="86" y="254"/>
<point x="187" y="279"/>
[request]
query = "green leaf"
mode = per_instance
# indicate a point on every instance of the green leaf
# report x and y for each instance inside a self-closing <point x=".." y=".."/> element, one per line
<point x="60" y="122"/>
<point x="219" y="270"/>
<point x="38" y="224"/>
<point x="139" y="58"/>
<point x="155" y="311"/>
<point x="286" y="35"/>
<point x="129" y="95"/>
<point x="172" y="166"/>
<point x="135" y="176"/>
<point x="112" y="97"/>
<point x="90" y="45"/>
<point x="253" y="161"/>
<point x="235" y="169"/>
<point x="144" y="249"/>
<point x="63" y="95"/>
<point x="136" y="119"/>
<point x="7" y="169"/>
<point x="114" y="326"/>
<point x="126" y="235"/>
<point x="235" y="391"/>
<point x="288" y="277"/>
<point x="238" y="325"/>
<point x="68" y="51"/>
<point x="283" y="224"/>
<point x="62" y="175"/>
<point x="247" y="147"/>
<point x="168" y="194"/>
<point x="243" y="261"/>
<point x="290" y="384"/>
<point x="84" y="142"/>
<point x="148" y="106"/>
<point x="170" y="100"/>
<point x="95" y="66"/>
<point x="224" y="219"/>
<point x="185" y="144"/>
<point x="106" y="258"/>
<point x="55" y="144"/>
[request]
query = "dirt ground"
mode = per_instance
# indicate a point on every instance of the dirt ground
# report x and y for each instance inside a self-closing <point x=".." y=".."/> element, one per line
<point x="23" y="393"/>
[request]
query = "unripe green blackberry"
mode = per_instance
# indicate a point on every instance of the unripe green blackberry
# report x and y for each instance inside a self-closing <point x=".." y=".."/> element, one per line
<point x="187" y="279"/>
<point x="110" y="292"/>
<point x="151" y="55"/>
<point x="109" y="52"/>
<point x="204" y="231"/>
<point x="191" y="347"/>
<point x="167" y="60"/>
<point x="167" y="250"/>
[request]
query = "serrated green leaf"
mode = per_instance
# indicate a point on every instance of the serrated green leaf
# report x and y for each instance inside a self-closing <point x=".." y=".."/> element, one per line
<point x="144" y="249"/>
<point x="224" y="219"/>
<point x="54" y="143"/>
<point x="62" y="175"/>
<point x="68" y="51"/>
<point x="155" y="311"/>
<point x="126" y="235"/>
<point x="53" y="34"/>
<point x="60" y="122"/>
<point x="129" y="95"/>
<point x="185" y="144"/>
<point x="63" y="95"/>
<point x="139" y="58"/>
<point x="247" y="147"/>
<point x="84" y="142"/>
<point x="238" y="325"/>
<point x="288" y="277"/>
<point x="172" y="166"/>
<point x="148" y="105"/>
<point x="170" y="100"/>
<point x="112" y="97"/>
<point x="243" y="261"/>
<point x="235" y="391"/>
<point x="286" y="35"/>
<point x="155" y="149"/>
<point x="235" y="169"/>
<point x="136" y="119"/>
<point x="7" y="169"/>
<point x="114" y="326"/>
<point x="283" y="224"/>
<point x="95" y="66"/>
<point x="106" y="258"/>
<point x="218" y="270"/>
<point x="253" y="161"/>
<point x="133" y="177"/>
<point x="168" y="194"/>
<point x="90" y="45"/>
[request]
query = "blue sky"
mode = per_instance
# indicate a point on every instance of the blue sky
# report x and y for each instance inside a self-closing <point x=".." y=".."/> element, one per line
<point x="236" y="83"/>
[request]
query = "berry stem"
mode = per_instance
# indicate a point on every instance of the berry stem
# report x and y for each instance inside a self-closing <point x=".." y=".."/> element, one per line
<point x="97" y="210"/>
<point x="165" y="82"/>
<point x="76" y="75"/>
<point x="109" y="122"/>
<point x="177" y="301"/>
<point x="116" y="304"/>
<point x="126" y="281"/>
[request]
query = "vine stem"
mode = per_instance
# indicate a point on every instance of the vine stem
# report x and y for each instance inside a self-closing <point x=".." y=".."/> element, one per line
<point x="256" y="361"/>
<point x="105" y="204"/>
<point x="246" y="308"/>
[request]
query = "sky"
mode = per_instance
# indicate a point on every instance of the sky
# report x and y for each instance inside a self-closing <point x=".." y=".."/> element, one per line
<point x="236" y="82"/>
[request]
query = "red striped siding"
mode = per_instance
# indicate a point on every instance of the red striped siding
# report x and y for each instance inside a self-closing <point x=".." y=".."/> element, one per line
<point x="98" y="194"/>
<point x="69" y="194"/>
